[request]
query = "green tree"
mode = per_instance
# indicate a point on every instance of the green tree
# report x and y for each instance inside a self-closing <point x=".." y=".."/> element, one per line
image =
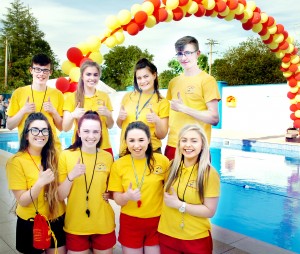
<point x="175" y="69"/>
<point x="251" y="62"/>
<point x="118" y="67"/>
<point x="20" y="29"/>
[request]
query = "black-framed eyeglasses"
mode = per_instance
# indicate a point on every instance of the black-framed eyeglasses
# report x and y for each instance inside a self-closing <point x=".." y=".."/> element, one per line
<point x="35" y="131"/>
<point x="39" y="70"/>
<point x="185" y="53"/>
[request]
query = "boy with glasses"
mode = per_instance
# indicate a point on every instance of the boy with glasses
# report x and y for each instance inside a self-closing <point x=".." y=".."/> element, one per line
<point x="193" y="95"/>
<point x="37" y="97"/>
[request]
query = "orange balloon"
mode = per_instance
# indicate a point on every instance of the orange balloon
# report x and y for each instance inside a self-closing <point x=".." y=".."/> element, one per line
<point x="133" y="28"/>
<point x="140" y="17"/>
<point x="177" y="14"/>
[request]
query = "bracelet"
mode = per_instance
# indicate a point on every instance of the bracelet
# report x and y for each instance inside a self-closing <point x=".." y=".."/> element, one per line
<point x="69" y="178"/>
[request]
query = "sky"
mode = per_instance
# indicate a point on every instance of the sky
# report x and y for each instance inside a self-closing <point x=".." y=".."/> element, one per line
<point x="67" y="23"/>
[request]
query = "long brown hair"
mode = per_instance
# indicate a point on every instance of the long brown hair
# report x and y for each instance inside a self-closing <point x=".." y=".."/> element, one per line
<point x="49" y="159"/>
<point x="79" y="97"/>
<point x="203" y="160"/>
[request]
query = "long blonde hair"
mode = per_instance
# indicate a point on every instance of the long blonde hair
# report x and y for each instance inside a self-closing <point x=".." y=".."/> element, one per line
<point x="203" y="160"/>
<point x="79" y="97"/>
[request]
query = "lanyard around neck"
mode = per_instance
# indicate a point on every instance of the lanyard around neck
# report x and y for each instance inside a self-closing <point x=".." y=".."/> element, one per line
<point x="43" y="98"/>
<point x="137" y="111"/>
<point x="183" y="195"/>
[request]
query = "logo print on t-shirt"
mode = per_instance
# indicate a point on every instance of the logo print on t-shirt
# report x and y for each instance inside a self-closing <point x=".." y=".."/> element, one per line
<point x="190" y="90"/>
<point x="158" y="170"/>
<point x="101" y="167"/>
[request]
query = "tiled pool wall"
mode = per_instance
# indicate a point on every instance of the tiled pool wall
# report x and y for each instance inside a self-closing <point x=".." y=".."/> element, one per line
<point x="258" y="146"/>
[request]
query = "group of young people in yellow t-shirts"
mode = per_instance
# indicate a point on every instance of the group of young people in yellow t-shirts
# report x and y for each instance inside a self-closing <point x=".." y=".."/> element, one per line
<point x="166" y="200"/>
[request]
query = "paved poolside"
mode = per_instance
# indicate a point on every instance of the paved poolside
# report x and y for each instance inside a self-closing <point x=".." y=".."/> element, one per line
<point x="225" y="241"/>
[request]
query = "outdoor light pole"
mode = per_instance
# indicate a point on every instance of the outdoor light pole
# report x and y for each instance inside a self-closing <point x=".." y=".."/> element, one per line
<point x="211" y="43"/>
<point x="6" y="63"/>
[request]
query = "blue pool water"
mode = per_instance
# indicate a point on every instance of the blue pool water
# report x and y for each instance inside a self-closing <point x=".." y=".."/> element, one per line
<point x="260" y="190"/>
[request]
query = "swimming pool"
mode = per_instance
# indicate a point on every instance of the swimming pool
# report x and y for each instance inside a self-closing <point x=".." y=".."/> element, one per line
<point x="260" y="189"/>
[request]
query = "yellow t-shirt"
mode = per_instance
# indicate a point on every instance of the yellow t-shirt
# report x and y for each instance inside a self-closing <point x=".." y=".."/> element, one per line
<point x="195" y="92"/>
<point x="19" y="98"/>
<point x="194" y="227"/>
<point x="130" y="101"/>
<point x="102" y="218"/>
<point x="22" y="174"/>
<point x="92" y="103"/>
<point x="122" y="174"/>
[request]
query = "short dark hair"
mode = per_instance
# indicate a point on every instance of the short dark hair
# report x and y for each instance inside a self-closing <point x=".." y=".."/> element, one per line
<point x="182" y="42"/>
<point x="41" y="59"/>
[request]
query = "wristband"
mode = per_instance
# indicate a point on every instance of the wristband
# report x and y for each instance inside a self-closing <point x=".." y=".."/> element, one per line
<point x="69" y="179"/>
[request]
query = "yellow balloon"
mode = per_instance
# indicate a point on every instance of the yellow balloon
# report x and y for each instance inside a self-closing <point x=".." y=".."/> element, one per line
<point x="151" y="21"/>
<point x="226" y="12"/>
<point x="251" y="5"/>
<point x="287" y="74"/>
<point x="112" y="22"/>
<point x="192" y="7"/>
<point x="148" y="8"/>
<point x="111" y="41"/>
<point x="214" y="14"/>
<point x="97" y="57"/>
<point x="172" y="4"/>
<point x="94" y="43"/>
<point x="279" y="54"/>
<point x="209" y="4"/>
<point x="84" y="47"/>
<point x="240" y="9"/>
<point x="257" y="27"/>
<point x="293" y="101"/>
<point x="273" y="45"/>
<point x="297" y="98"/>
<point x="272" y="29"/>
<point x="290" y="48"/>
<point x="170" y="15"/>
<point x="278" y="38"/>
<point x="285" y="65"/>
<point x="248" y="13"/>
<point x="295" y="59"/>
<point x="230" y="16"/>
<point x="67" y="66"/>
<point x="290" y="40"/>
<point x="74" y="74"/>
<point x="124" y="17"/>
<point x="297" y="114"/>
<point x="265" y="37"/>
<point x="263" y="17"/>
<point x="120" y="37"/>
<point x="135" y="8"/>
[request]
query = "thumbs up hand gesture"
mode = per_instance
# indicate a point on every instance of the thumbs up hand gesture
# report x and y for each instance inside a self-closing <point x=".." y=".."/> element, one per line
<point x="48" y="107"/>
<point x="152" y="117"/>
<point x="78" y="170"/>
<point x="177" y="104"/>
<point x="134" y="195"/>
<point x="78" y="112"/>
<point x="103" y="110"/>
<point x="45" y="177"/>
<point x="122" y="114"/>
<point x="29" y="107"/>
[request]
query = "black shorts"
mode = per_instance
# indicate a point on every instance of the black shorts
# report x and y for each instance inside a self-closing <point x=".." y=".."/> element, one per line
<point x="24" y="235"/>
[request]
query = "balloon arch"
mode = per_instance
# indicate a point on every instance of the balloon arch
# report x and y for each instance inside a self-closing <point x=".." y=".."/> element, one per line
<point x="152" y="12"/>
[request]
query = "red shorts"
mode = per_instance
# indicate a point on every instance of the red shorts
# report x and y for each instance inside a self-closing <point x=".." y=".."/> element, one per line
<point x="138" y="232"/>
<point x="85" y="242"/>
<point x="171" y="245"/>
<point x="170" y="152"/>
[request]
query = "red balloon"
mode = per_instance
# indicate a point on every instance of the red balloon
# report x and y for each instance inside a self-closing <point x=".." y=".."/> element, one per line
<point x="268" y="41"/>
<point x="293" y="67"/>
<point x="239" y="17"/>
<point x="280" y="29"/>
<point x="232" y="4"/>
<point x="220" y="6"/>
<point x="198" y="1"/>
<point x="177" y="14"/>
<point x="256" y="18"/>
<point x="73" y="87"/>
<point x="208" y="12"/>
<point x="291" y="95"/>
<point x="293" y="108"/>
<point x="263" y="31"/>
<point x="270" y="21"/>
<point x="74" y="55"/>
<point x="293" y="117"/>
<point x="284" y="45"/>
<point x="243" y="2"/>
<point x="160" y="15"/>
<point x="298" y="105"/>
<point x="286" y="58"/>
<point x="133" y="28"/>
<point x="292" y="82"/>
<point x="297" y="123"/>
<point x="201" y="11"/>
<point x="285" y="34"/>
<point x="62" y="84"/>
<point x="140" y="17"/>
<point x="156" y="3"/>
<point x="248" y="25"/>
<point x="297" y="76"/>
<point x="183" y="2"/>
